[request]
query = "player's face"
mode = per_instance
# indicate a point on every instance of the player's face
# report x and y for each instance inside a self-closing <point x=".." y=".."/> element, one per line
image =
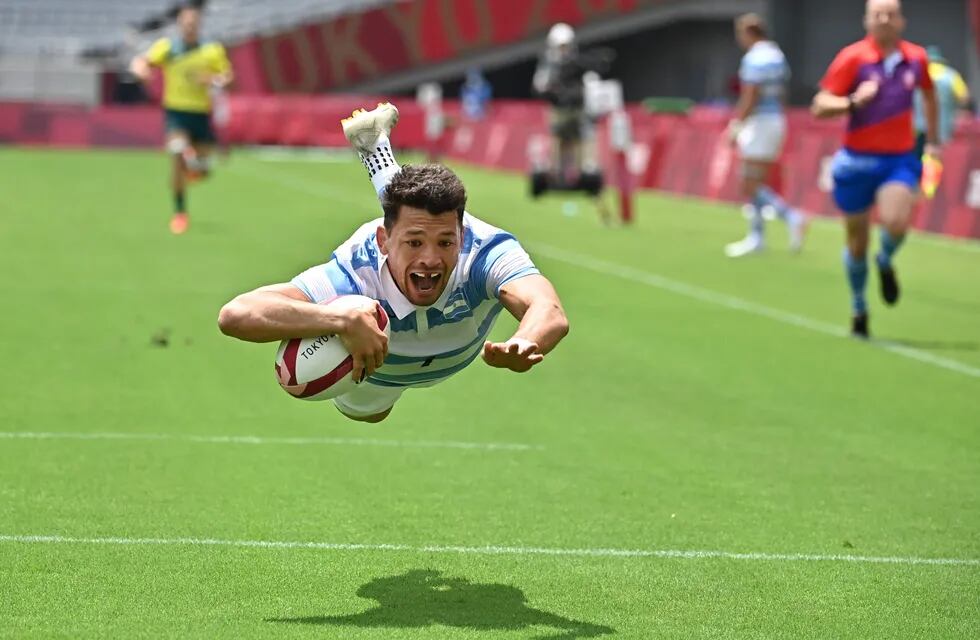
<point x="422" y="251"/>
<point x="743" y="38"/>
<point x="189" y="22"/>
<point x="884" y="21"/>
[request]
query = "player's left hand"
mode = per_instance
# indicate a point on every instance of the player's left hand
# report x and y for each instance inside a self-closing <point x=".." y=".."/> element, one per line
<point x="933" y="150"/>
<point x="516" y="354"/>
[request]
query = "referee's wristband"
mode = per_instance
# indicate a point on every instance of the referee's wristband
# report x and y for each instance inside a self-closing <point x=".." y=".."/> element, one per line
<point x="850" y="103"/>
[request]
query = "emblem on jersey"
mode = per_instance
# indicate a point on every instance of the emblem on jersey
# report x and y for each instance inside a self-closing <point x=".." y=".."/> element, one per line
<point x="909" y="79"/>
<point x="457" y="307"/>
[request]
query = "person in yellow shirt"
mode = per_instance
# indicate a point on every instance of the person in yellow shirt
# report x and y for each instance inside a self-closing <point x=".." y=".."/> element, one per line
<point x="191" y="69"/>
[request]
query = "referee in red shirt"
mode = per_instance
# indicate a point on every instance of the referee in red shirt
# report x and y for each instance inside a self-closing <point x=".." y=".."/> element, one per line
<point x="874" y="81"/>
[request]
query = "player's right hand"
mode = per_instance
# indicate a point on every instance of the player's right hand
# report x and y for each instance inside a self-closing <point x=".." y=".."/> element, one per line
<point x="865" y="93"/>
<point x="731" y="132"/>
<point x="367" y="344"/>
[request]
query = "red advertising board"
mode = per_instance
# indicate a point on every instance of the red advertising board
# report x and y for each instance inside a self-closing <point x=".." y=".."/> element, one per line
<point x="679" y="154"/>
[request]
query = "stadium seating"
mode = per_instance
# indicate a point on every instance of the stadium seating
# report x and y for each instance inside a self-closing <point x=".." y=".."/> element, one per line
<point x="70" y="27"/>
<point x="231" y="20"/>
<point x="67" y="26"/>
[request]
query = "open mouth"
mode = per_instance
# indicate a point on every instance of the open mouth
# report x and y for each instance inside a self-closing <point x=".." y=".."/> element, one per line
<point x="425" y="281"/>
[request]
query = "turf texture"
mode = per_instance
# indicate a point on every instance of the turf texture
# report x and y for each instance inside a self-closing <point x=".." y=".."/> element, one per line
<point x="698" y="405"/>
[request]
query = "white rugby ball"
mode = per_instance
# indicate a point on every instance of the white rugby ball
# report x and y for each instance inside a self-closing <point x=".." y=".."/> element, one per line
<point x="319" y="368"/>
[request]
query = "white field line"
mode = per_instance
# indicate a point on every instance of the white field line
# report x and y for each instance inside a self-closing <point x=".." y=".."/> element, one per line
<point x="969" y="245"/>
<point x="301" y="154"/>
<point x="495" y="550"/>
<point x="362" y="442"/>
<point x="307" y="186"/>
<point x="662" y="282"/>
<point x="739" y="304"/>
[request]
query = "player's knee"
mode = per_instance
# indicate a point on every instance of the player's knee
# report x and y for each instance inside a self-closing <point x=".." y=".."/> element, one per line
<point x="857" y="249"/>
<point x="177" y="145"/>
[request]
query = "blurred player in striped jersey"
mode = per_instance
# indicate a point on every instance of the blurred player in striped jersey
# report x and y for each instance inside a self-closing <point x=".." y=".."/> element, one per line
<point x="874" y="81"/>
<point x="441" y="275"/>
<point x="759" y="131"/>
<point x="192" y="69"/>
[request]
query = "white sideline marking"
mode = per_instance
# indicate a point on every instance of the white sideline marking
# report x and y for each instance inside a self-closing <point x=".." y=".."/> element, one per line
<point x="306" y="186"/>
<point x="920" y="235"/>
<point x="739" y="304"/>
<point x="365" y="442"/>
<point x="667" y="284"/>
<point x="302" y="154"/>
<point x="498" y="550"/>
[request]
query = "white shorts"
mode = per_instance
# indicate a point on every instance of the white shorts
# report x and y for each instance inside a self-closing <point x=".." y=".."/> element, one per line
<point x="368" y="400"/>
<point x="762" y="137"/>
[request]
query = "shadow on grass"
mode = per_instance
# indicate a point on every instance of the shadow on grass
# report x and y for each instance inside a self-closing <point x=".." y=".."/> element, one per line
<point x="422" y="598"/>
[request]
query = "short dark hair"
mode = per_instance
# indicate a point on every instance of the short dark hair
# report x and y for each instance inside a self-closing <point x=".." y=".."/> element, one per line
<point x="432" y="187"/>
<point x="184" y="7"/>
<point x="753" y="24"/>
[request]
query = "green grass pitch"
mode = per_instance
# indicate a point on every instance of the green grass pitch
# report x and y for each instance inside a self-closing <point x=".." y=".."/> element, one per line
<point x="698" y="405"/>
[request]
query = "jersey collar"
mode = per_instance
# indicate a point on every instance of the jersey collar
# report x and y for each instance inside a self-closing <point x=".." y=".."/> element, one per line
<point x="873" y="45"/>
<point x="396" y="299"/>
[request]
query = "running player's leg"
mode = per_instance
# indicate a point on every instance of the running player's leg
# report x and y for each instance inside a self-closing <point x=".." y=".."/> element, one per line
<point x="177" y="144"/>
<point x="766" y="197"/>
<point x="753" y="173"/>
<point x="896" y="206"/>
<point x="368" y="132"/>
<point x="197" y="157"/>
<point x="760" y="143"/>
<point x="856" y="228"/>
<point x="856" y="180"/>
<point x="368" y="402"/>
<point x="198" y="160"/>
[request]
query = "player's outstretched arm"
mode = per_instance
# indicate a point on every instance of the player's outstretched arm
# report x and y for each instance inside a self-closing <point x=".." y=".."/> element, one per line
<point x="282" y="311"/>
<point x="534" y="302"/>
<point x="276" y="312"/>
<point x="140" y="68"/>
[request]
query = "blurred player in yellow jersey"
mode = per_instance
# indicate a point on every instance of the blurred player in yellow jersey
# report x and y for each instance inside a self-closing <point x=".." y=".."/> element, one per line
<point x="191" y="68"/>
<point x="952" y="95"/>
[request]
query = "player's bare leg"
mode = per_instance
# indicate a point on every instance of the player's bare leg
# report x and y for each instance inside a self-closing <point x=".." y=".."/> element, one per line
<point x="367" y="132"/>
<point x="857" y="228"/>
<point x="754" y="188"/>
<point x="752" y="175"/>
<point x="896" y="205"/>
<point x="177" y="144"/>
<point x="197" y="160"/>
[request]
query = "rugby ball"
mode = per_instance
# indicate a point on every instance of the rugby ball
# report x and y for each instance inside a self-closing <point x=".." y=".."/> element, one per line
<point x="320" y="368"/>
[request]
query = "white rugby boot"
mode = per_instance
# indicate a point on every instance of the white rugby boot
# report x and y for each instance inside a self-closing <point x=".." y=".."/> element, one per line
<point x="367" y="132"/>
<point x="748" y="245"/>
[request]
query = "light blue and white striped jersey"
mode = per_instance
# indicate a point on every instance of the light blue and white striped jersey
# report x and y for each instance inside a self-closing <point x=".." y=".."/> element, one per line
<point x="765" y="65"/>
<point x="427" y="344"/>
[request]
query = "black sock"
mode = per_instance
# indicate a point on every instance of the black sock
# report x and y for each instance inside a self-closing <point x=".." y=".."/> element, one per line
<point x="179" y="202"/>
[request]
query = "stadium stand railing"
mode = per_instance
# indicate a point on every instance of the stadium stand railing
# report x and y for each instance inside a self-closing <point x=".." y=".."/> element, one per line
<point x="55" y="50"/>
